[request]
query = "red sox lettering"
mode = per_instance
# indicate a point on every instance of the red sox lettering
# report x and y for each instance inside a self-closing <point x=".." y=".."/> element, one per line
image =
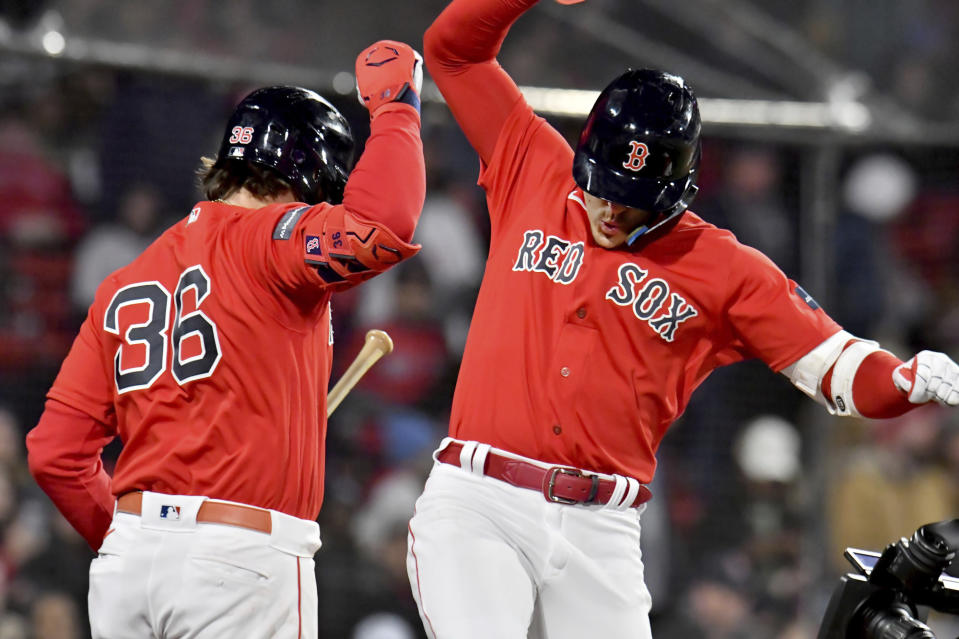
<point x="558" y="259"/>
<point x="648" y="300"/>
<point x="651" y="300"/>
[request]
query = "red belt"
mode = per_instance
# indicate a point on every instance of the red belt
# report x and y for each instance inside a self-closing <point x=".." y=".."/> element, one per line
<point x="211" y="512"/>
<point x="560" y="484"/>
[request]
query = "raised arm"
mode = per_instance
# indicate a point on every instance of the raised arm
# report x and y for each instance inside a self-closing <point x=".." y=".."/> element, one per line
<point x="371" y="230"/>
<point x="460" y="49"/>
<point x="388" y="184"/>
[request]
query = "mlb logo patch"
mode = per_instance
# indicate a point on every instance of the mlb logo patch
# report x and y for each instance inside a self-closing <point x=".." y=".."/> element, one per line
<point x="313" y="245"/>
<point x="236" y="152"/>
<point x="170" y="513"/>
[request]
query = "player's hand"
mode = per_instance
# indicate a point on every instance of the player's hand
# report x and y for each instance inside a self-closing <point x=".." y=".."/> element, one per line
<point x="388" y="71"/>
<point x="929" y="376"/>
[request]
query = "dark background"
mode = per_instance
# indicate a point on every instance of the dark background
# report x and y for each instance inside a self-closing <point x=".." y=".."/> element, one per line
<point x="758" y="489"/>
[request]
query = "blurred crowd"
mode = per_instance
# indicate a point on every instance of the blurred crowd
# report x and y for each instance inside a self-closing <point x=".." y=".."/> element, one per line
<point x="810" y="50"/>
<point x="758" y="490"/>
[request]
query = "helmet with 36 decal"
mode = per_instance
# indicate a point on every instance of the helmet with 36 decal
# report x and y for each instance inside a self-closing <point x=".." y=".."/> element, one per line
<point x="297" y="133"/>
<point x="640" y="146"/>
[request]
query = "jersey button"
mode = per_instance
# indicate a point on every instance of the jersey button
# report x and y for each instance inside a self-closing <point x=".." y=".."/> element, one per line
<point x="581" y="312"/>
<point x="564" y="371"/>
<point x="557" y="430"/>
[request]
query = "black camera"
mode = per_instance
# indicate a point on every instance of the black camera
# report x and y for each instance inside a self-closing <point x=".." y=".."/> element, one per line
<point x="890" y="594"/>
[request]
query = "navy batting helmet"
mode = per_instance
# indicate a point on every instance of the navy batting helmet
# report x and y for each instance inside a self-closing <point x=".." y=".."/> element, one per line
<point x="640" y="146"/>
<point x="298" y="134"/>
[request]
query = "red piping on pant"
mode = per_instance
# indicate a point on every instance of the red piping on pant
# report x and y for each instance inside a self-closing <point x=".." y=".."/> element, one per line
<point x="418" y="590"/>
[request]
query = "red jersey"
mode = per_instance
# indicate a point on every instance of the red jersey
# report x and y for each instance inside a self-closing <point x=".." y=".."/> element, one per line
<point x="578" y="354"/>
<point x="209" y="355"/>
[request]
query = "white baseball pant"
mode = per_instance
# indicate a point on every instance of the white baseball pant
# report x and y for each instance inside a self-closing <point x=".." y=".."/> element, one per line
<point x="162" y="574"/>
<point x="487" y="559"/>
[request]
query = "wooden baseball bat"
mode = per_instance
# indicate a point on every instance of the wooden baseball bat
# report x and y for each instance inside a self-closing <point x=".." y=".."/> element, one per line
<point x="377" y="344"/>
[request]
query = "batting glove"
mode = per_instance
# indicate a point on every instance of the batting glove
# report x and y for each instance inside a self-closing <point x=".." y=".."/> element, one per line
<point x="929" y="376"/>
<point x="388" y="71"/>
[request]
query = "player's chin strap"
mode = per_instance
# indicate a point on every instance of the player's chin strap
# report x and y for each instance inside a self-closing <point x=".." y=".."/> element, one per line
<point x="678" y="209"/>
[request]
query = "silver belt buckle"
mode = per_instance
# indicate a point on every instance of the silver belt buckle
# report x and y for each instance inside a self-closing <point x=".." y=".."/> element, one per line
<point x="551" y="484"/>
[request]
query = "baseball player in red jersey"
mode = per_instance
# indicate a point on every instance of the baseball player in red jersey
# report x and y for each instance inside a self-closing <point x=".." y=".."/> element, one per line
<point x="209" y="357"/>
<point x="604" y="304"/>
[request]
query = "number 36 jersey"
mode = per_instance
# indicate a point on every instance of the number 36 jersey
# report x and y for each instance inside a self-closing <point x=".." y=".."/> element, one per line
<point x="209" y="356"/>
<point x="584" y="356"/>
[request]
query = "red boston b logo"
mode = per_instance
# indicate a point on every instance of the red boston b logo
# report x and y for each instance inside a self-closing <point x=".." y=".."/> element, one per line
<point x="637" y="156"/>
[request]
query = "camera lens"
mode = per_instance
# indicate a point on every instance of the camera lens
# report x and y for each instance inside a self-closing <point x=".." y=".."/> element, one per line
<point x="892" y="622"/>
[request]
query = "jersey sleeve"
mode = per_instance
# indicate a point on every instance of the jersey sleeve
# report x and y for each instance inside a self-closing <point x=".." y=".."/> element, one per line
<point x="65" y="447"/>
<point x="531" y="157"/>
<point x="388" y="185"/>
<point x="772" y="316"/>
<point x="84" y="381"/>
<point x="460" y="49"/>
<point x="64" y="455"/>
<point x="519" y="151"/>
